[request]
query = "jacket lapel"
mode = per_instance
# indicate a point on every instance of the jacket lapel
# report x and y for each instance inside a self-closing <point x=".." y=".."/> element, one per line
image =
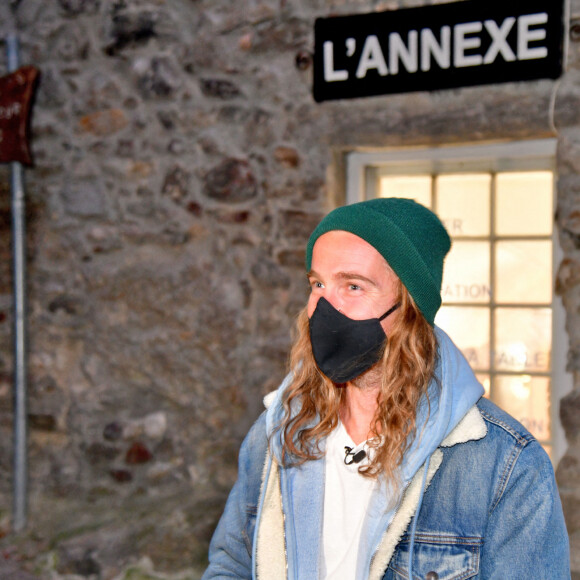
<point x="300" y="491"/>
<point x="472" y="427"/>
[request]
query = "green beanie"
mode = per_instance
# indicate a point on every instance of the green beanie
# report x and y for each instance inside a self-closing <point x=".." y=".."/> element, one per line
<point x="409" y="236"/>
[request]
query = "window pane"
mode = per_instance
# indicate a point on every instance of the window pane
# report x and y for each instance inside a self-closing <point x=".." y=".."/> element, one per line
<point x="523" y="338"/>
<point x="527" y="399"/>
<point x="463" y="203"/>
<point x="469" y="329"/>
<point x="524" y="271"/>
<point x="466" y="273"/>
<point x="417" y="187"/>
<point x="485" y="381"/>
<point x="524" y="203"/>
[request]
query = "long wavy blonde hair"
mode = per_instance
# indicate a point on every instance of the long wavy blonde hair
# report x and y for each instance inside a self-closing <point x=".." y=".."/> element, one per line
<point x="312" y="401"/>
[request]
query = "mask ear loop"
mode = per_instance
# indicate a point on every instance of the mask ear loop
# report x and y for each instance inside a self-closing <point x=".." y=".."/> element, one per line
<point x="390" y="311"/>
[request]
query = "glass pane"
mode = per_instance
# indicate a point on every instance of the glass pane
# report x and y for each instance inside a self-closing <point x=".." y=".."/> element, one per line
<point x="469" y="329"/>
<point x="527" y="399"/>
<point x="524" y="203"/>
<point x="485" y="381"/>
<point x="523" y="338"/>
<point x="466" y="273"/>
<point x="524" y="272"/>
<point x="463" y="203"/>
<point x="417" y="187"/>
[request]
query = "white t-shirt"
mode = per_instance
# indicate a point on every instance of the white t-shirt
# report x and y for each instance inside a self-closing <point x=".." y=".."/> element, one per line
<point x="346" y="498"/>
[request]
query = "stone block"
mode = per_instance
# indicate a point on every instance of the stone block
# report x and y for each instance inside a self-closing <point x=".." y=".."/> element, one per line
<point x="76" y="7"/>
<point x="133" y="24"/>
<point x="269" y="274"/>
<point x="103" y="123"/>
<point x="219" y="88"/>
<point x="152" y="426"/>
<point x="575" y="555"/>
<point x="113" y="431"/>
<point x="231" y="181"/>
<point x="98" y="453"/>
<point x="72" y="44"/>
<point x="158" y="76"/>
<point x="84" y="197"/>
<point x="292" y="258"/>
<point x="175" y="184"/>
<point x="567" y="110"/>
<point x="568" y="471"/>
<point x="569" y="153"/>
<point x="570" y="415"/>
<point x="298" y="224"/>
<point x="42" y="422"/>
<point x="287" y="156"/>
<point x="138" y="453"/>
<point x="228" y="217"/>
<point x="11" y="570"/>
<point x="568" y="275"/>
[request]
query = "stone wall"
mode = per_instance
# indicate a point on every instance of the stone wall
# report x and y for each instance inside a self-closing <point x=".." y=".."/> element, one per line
<point x="180" y="164"/>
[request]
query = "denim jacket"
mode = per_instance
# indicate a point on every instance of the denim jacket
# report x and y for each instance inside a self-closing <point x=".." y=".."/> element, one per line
<point x="483" y="504"/>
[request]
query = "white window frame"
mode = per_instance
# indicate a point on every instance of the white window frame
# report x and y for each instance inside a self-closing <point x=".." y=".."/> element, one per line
<point x="534" y="155"/>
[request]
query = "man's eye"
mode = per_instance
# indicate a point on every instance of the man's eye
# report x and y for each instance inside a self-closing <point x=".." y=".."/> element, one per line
<point x="354" y="287"/>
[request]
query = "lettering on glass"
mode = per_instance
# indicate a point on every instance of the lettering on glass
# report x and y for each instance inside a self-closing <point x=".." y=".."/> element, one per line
<point x="16" y="94"/>
<point x="456" y="292"/>
<point x="537" y="427"/>
<point x="471" y="355"/>
<point x="436" y="47"/>
<point x="454" y="226"/>
<point x="519" y="359"/>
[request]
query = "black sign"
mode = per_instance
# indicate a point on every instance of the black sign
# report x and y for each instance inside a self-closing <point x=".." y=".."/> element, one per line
<point x="466" y="43"/>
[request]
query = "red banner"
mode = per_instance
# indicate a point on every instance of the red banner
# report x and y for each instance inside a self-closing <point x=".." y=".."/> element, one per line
<point x="16" y="93"/>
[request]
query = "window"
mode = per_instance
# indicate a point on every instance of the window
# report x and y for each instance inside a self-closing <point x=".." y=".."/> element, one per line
<point x="497" y="202"/>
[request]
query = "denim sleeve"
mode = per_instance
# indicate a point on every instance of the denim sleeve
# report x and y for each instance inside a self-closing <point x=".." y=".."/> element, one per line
<point x="230" y="550"/>
<point x="526" y="534"/>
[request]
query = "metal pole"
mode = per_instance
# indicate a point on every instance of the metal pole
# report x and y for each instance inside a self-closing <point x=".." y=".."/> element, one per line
<point x="20" y="342"/>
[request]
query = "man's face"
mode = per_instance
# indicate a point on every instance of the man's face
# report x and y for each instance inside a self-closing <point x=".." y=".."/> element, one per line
<point x="353" y="277"/>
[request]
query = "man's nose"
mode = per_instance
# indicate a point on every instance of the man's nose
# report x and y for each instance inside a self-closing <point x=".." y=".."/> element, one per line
<point x="333" y="296"/>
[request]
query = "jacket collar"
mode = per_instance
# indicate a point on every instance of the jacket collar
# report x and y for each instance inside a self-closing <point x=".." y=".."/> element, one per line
<point x="271" y="552"/>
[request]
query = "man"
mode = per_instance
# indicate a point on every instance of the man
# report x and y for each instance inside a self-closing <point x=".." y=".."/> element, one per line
<point x="377" y="456"/>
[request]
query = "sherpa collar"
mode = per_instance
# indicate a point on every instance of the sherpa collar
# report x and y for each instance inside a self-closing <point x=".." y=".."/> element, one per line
<point x="270" y="553"/>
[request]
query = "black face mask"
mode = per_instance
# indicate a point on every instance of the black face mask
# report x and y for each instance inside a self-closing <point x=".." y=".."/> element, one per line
<point x="344" y="348"/>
